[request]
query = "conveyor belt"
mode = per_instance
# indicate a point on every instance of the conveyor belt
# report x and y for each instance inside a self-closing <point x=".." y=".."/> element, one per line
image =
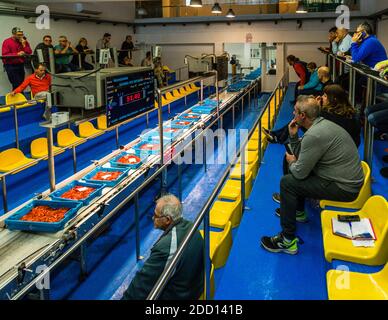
<point x="34" y="249"/>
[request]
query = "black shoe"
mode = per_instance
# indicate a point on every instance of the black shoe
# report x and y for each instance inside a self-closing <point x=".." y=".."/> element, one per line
<point x="276" y="197"/>
<point x="300" y="216"/>
<point x="278" y="244"/>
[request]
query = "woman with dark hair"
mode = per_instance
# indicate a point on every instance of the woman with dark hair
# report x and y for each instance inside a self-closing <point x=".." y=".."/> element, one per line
<point x="337" y="108"/>
<point x="126" y="49"/>
<point x="83" y="49"/>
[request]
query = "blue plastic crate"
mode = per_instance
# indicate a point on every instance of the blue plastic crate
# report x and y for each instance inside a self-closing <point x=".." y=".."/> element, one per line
<point x="181" y="124"/>
<point x="14" y="222"/>
<point x="142" y="150"/>
<point x="168" y="135"/>
<point x="56" y="195"/>
<point x="88" y="177"/>
<point x="190" y="117"/>
<point x="114" y="162"/>
<point x="203" y="109"/>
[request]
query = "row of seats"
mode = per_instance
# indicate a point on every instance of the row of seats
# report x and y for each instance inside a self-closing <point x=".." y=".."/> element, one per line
<point x="13" y="158"/>
<point x="15" y="99"/>
<point x="345" y="285"/>
<point x="226" y="212"/>
<point x="176" y="94"/>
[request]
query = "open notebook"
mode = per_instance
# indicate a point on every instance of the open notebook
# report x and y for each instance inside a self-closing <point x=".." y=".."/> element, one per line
<point x="361" y="230"/>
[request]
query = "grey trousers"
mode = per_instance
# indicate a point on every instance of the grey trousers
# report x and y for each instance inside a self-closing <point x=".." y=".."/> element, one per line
<point x="293" y="193"/>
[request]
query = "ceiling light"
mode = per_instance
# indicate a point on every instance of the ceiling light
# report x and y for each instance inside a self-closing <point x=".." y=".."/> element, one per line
<point x="196" y="3"/>
<point x="216" y="8"/>
<point x="230" y="14"/>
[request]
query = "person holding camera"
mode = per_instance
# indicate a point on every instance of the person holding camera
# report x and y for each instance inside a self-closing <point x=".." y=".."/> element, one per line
<point x="18" y="47"/>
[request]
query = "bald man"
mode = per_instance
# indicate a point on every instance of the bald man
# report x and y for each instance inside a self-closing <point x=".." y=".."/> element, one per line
<point x="343" y="42"/>
<point x="186" y="282"/>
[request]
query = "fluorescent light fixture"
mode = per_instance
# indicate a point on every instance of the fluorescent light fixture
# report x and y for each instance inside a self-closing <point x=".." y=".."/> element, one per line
<point x="196" y="3"/>
<point x="216" y="8"/>
<point x="301" y="8"/>
<point x="142" y="12"/>
<point x="230" y="14"/>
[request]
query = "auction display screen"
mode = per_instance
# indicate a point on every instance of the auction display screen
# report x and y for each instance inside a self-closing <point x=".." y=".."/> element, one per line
<point x="128" y="96"/>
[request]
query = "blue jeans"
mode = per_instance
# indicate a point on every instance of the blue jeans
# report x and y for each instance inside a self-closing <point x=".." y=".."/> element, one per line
<point x="378" y="116"/>
<point x="66" y="67"/>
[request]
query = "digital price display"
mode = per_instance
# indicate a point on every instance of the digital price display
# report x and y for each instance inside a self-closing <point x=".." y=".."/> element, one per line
<point x="128" y="96"/>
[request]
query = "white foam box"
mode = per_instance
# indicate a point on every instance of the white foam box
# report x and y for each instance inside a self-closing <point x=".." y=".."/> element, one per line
<point x="59" y="117"/>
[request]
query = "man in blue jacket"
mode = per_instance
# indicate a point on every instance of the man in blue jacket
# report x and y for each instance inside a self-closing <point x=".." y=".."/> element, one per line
<point x="366" y="48"/>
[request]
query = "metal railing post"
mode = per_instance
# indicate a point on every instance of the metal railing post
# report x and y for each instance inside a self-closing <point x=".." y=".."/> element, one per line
<point x="50" y="159"/>
<point x="5" y="201"/>
<point x="242" y="165"/>
<point x="117" y="137"/>
<point x="369" y="130"/>
<point x="207" y="264"/>
<point x="201" y="94"/>
<point x="137" y="226"/>
<point x="52" y="60"/>
<point x="79" y="61"/>
<point x="15" y="117"/>
<point x="74" y="159"/>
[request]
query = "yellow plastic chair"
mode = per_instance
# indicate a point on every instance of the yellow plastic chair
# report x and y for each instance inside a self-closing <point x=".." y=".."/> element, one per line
<point x="170" y="97"/>
<point x="188" y="89"/>
<point x="18" y="98"/>
<point x="212" y="285"/>
<point x="229" y="193"/>
<point x="361" y="286"/>
<point x="253" y="145"/>
<point x="252" y="159"/>
<point x="165" y="101"/>
<point x="66" y="137"/>
<point x="222" y="212"/>
<point x="365" y="193"/>
<point x="102" y="122"/>
<point x="235" y="180"/>
<point x="194" y="87"/>
<point x="183" y="91"/>
<point x="87" y="129"/>
<point x="376" y="209"/>
<point x="39" y="148"/>
<point x="177" y="94"/>
<point x="13" y="158"/>
<point x="220" y="244"/>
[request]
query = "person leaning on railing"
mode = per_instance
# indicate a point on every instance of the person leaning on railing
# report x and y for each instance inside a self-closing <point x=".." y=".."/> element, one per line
<point x="64" y="50"/>
<point x="44" y="46"/>
<point x="83" y="49"/>
<point x="328" y="166"/>
<point x="17" y="46"/>
<point x="187" y="282"/>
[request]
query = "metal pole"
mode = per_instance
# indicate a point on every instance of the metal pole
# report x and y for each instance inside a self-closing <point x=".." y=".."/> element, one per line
<point x="206" y="252"/>
<point x="4" y="187"/>
<point x="243" y="175"/>
<point x="137" y="226"/>
<point x="351" y="93"/>
<point x="179" y="181"/>
<point x="161" y="148"/>
<point x="147" y="120"/>
<point x="269" y="115"/>
<point x="276" y="101"/>
<point x="368" y="148"/>
<point x="82" y="260"/>
<point x="50" y="159"/>
<point x="233" y="116"/>
<point x="201" y="96"/>
<point x="353" y="83"/>
<point x="74" y="159"/>
<point x="242" y="108"/>
<point x="15" y="116"/>
<point x="334" y="70"/>
<point x="79" y="61"/>
<point x="260" y="144"/>
<point x="118" y="137"/>
<point x="115" y="57"/>
<point x="204" y="152"/>
<point x="249" y="99"/>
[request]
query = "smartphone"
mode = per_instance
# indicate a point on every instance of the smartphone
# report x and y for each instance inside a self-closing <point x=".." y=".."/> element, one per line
<point x="346" y="218"/>
<point x="288" y="149"/>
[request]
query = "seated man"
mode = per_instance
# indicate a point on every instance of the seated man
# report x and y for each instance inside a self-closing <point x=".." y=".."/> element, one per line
<point x="187" y="282"/>
<point x="314" y="85"/>
<point x="39" y="81"/>
<point x="64" y="51"/>
<point x="328" y="167"/>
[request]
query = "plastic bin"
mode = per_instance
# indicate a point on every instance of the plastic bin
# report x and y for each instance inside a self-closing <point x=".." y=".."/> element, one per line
<point x="14" y="222"/>
<point x="88" y="177"/>
<point x="56" y="195"/>
<point x="114" y="162"/>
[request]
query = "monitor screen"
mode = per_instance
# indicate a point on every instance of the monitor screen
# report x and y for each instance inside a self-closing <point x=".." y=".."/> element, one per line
<point x="128" y="96"/>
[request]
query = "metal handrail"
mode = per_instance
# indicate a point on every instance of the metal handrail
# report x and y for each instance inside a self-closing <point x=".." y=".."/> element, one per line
<point x="370" y="96"/>
<point x="171" y="265"/>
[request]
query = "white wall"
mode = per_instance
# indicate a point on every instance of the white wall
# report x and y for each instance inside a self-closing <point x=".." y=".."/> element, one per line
<point x="70" y="28"/>
<point x="383" y="32"/>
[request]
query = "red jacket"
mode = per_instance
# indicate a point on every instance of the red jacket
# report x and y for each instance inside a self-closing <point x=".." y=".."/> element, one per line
<point x="301" y="72"/>
<point x="36" y="84"/>
<point x="11" y="47"/>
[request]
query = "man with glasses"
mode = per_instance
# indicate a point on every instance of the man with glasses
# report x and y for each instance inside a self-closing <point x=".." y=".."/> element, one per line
<point x="44" y="46"/>
<point x="327" y="167"/>
<point x="64" y="51"/>
<point x="18" y="47"/>
<point x="186" y="283"/>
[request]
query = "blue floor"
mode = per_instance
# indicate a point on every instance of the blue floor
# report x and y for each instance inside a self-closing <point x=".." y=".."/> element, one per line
<point x="111" y="257"/>
<point x="251" y="273"/>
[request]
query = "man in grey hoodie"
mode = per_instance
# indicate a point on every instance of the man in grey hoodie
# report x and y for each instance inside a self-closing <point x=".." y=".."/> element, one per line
<point x="327" y="167"/>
